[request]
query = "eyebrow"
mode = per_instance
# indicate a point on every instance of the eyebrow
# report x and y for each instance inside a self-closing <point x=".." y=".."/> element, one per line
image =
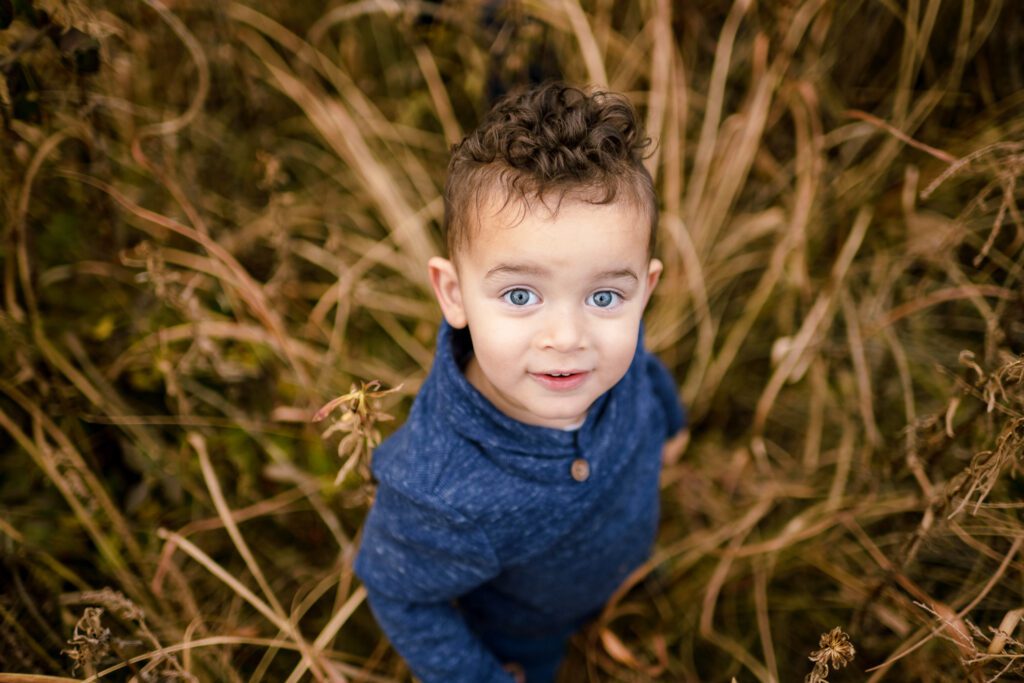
<point x="515" y="269"/>
<point x="618" y="274"/>
<point x="539" y="271"/>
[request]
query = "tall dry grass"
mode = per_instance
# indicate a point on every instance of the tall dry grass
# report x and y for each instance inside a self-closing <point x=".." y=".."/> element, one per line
<point x="224" y="225"/>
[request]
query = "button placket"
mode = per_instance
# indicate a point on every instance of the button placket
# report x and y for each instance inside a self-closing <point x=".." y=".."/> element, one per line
<point x="579" y="470"/>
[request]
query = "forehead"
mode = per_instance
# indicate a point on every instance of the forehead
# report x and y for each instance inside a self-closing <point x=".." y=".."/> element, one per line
<point x="568" y="233"/>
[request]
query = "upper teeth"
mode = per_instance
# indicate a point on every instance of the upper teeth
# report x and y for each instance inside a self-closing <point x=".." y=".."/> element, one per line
<point x="560" y="374"/>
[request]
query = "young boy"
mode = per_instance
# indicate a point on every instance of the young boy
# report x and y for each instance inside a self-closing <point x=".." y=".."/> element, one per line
<point x="523" y="488"/>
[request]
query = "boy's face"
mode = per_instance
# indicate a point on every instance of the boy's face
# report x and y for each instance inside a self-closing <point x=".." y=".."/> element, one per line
<point x="553" y="305"/>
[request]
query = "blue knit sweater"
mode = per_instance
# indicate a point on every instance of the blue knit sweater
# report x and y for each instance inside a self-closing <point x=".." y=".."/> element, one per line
<point x="479" y="526"/>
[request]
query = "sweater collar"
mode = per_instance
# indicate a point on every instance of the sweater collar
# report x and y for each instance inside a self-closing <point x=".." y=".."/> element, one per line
<point x="473" y="416"/>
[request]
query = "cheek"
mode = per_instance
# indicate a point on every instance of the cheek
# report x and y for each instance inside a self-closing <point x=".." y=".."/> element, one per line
<point x="499" y="343"/>
<point x="619" y="345"/>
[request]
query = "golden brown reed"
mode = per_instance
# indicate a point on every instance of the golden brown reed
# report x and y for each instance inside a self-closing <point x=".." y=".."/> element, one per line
<point x="226" y="225"/>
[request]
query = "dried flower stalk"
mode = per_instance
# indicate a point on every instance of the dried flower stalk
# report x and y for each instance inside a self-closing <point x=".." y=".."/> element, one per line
<point x="836" y="651"/>
<point x="90" y="641"/>
<point x="360" y="413"/>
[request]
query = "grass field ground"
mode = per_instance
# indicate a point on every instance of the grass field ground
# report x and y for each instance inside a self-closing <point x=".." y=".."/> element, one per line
<point x="216" y="220"/>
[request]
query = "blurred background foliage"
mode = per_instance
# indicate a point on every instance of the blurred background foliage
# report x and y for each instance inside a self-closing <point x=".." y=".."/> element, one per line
<point x="216" y="218"/>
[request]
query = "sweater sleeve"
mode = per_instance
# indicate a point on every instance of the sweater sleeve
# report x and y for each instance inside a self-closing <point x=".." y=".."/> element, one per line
<point x="417" y="556"/>
<point x="667" y="395"/>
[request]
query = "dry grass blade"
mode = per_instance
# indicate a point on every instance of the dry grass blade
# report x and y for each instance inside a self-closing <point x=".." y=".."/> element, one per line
<point x="662" y="59"/>
<point x="71" y="491"/>
<point x="217" y="641"/>
<point x="817" y="319"/>
<point x="281" y="622"/>
<point x="442" y="103"/>
<point x="900" y="135"/>
<point x="708" y="139"/>
<point x="588" y="45"/>
<point x="18" y="227"/>
<point x="764" y="626"/>
<point x="191" y="261"/>
<point x="1005" y="631"/>
<point x="707" y="630"/>
<point x="250" y="291"/>
<point x="330" y="630"/>
<point x="228" y="520"/>
<point x="172" y="126"/>
<point x="334" y="122"/>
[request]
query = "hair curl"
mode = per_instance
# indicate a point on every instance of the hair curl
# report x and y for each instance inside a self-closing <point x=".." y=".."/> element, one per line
<point x="553" y="139"/>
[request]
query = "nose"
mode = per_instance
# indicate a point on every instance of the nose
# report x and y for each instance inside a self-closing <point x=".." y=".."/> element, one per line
<point x="564" y="331"/>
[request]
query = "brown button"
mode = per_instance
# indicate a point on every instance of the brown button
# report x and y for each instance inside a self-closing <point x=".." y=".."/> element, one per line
<point x="580" y="469"/>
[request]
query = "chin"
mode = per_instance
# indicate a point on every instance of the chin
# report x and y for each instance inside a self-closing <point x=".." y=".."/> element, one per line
<point x="574" y="412"/>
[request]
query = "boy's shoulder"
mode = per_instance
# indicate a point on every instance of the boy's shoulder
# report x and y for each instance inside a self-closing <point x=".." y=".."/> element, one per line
<point x="414" y="457"/>
<point x="427" y="459"/>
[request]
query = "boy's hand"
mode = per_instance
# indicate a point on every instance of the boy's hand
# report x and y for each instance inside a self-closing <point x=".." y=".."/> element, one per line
<point x="674" y="447"/>
<point x="517" y="671"/>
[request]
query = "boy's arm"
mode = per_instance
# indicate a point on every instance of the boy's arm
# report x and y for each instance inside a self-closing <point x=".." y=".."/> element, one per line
<point x="667" y="397"/>
<point x="417" y="556"/>
<point x="436" y="643"/>
<point x="673" y="448"/>
<point x="666" y="393"/>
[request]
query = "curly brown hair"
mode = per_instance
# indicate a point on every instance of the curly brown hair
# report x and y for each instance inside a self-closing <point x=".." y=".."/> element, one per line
<point x="553" y="140"/>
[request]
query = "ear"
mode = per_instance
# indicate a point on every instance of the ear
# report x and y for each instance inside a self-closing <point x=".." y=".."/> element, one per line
<point x="653" y="275"/>
<point x="445" y="281"/>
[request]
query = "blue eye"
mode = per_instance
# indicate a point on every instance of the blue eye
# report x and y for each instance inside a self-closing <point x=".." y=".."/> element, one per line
<point x="603" y="299"/>
<point x="519" y="297"/>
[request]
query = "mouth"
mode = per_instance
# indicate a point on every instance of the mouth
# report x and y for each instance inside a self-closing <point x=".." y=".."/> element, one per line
<point x="561" y="380"/>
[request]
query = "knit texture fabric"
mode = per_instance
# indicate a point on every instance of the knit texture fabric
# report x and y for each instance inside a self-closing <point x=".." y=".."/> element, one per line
<point x="479" y="530"/>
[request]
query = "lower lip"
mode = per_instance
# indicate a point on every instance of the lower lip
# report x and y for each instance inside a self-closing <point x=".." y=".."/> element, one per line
<point x="567" y="383"/>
